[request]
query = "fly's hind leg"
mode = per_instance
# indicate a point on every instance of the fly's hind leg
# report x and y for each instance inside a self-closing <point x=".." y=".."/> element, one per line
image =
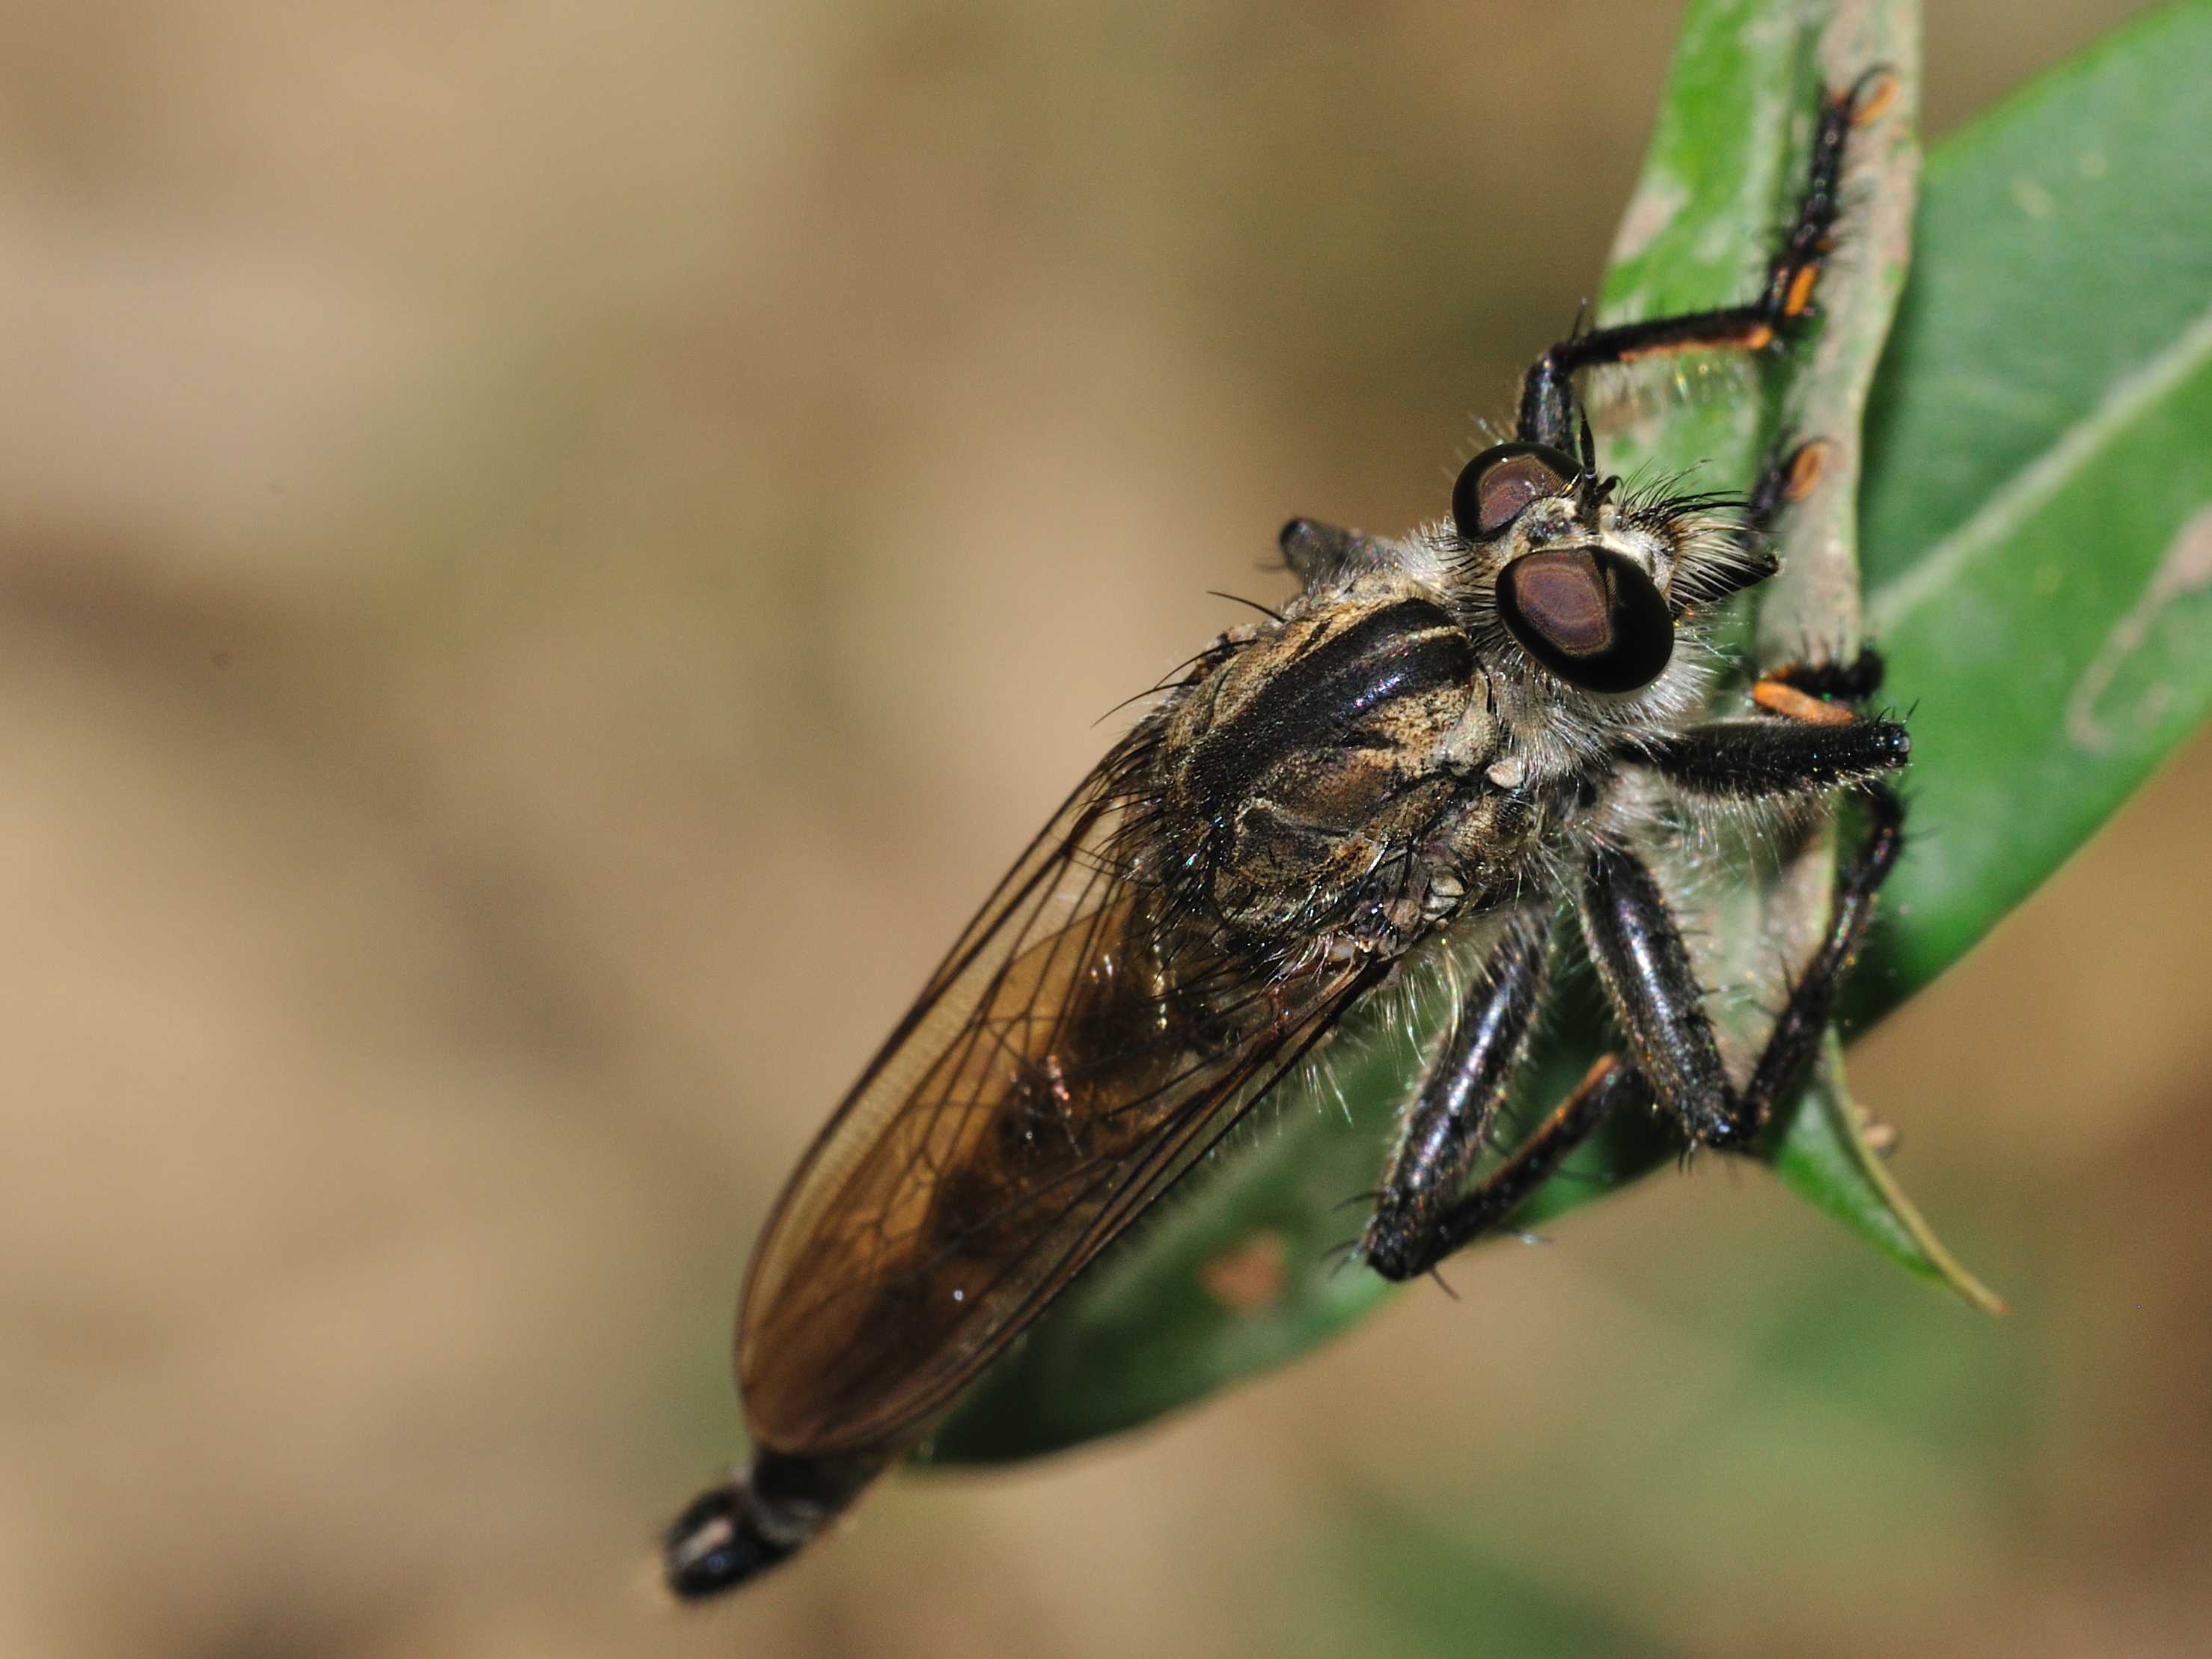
<point x="1424" y="1213"/>
<point x="1648" y="979"/>
<point x="1547" y="412"/>
<point x="1455" y="1219"/>
<point x="1446" y="1127"/>
<point x="1812" y="1003"/>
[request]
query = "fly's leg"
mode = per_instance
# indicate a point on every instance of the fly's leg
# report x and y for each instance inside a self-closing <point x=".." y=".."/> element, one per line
<point x="1820" y="743"/>
<point x="1547" y="412"/>
<point x="1452" y="1222"/>
<point x="1791" y="471"/>
<point x="1770" y="760"/>
<point x="1812" y="1004"/>
<point x="1422" y="1215"/>
<point x="1656" y="996"/>
<point x="1803" y="690"/>
<point x="1446" y="1125"/>
<point x="1815" y="747"/>
<point x="1422" y="1219"/>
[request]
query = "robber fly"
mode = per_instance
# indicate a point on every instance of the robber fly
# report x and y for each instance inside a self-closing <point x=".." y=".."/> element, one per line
<point x="1444" y="741"/>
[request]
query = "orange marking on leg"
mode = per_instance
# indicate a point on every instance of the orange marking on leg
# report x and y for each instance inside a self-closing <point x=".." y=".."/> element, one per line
<point x="1870" y="105"/>
<point x="1737" y="335"/>
<point x="1801" y="291"/>
<point x="1777" y="697"/>
<point x="1806" y="464"/>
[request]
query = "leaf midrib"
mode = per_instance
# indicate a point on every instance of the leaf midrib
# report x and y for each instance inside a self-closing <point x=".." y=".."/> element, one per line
<point x="2019" y="496"/>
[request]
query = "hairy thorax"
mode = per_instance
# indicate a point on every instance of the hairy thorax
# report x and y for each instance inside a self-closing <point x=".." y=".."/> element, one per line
<point x="1327" y="781"/>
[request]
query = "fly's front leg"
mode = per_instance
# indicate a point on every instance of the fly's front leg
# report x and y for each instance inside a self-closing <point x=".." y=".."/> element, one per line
<point x="1446" y="1125"/>
<point x="1821" y="694"/>
<point x="1791" y="471"/>
<point x="1820" y="741"/>
<point x="1548" y="398"/>
<point x="1655" y="994"/>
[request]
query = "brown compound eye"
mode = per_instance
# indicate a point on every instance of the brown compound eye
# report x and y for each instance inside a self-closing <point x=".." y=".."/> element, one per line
<point x="1590" y="615"/>
<point x="1498" y="483"/>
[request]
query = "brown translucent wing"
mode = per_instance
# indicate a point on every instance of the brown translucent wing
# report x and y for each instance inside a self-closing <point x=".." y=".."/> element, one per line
<point x="1084" y="1042"/>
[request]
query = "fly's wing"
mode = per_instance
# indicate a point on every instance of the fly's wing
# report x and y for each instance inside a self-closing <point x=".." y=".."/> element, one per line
<point x="1082" y="1045"/>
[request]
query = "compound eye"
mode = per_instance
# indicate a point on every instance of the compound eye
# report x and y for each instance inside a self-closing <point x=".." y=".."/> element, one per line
<point x="1590" y="615"/>
<point x="1498" y="483"/>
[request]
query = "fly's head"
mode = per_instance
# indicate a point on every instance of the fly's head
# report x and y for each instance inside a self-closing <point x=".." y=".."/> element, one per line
<point x="1589" y="587"/>
<point x="1582" y="600"/>
<point x="1392" y="745"/>
<point x="1580" y="588"/>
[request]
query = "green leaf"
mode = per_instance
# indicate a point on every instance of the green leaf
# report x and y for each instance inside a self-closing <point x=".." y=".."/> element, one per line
<point x="1828" y="1157"/>
<point x="2038" y="553"/>
<point x="2037" y="511"/>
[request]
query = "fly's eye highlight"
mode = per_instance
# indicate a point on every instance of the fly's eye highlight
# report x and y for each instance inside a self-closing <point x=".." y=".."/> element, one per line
<point x="1590" y="615"/>
<point x="1498" y="483"/>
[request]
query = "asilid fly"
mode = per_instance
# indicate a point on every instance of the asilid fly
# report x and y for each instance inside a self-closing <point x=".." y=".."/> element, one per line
<point x="1455" y="737"/>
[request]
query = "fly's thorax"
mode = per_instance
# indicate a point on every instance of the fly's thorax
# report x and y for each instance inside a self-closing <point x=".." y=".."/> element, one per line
<point x="1304" y="775"/>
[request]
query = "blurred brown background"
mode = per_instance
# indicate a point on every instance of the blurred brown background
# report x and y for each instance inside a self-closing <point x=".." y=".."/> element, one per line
<point x="549" y="555"/>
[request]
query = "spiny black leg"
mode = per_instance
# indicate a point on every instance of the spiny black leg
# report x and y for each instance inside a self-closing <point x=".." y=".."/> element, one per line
<point x="1821" y="694"/>
<point x="1647" y="975"/>
<point x="1762" y="759"/>
<point x="1612" y="1084"/>
<point x="1656" y="996"/>
<point x="1796" y="1034"/>
<point x="1608" y="1086"/>
<point x="1445" y="1127"/>
<point x="1847" y="681"/>
<point x="1548" y="398"/>
<point x="1791" y="470"/>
